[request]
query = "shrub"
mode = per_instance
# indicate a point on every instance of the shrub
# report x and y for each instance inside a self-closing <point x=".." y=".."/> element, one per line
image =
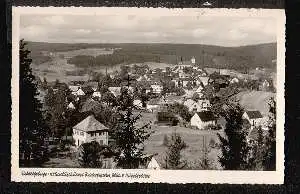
<point x="212" y="127"/>
<point x="212" y="143"/>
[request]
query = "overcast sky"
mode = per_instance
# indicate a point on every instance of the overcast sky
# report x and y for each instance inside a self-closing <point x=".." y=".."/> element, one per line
<point x="223" y="31"/>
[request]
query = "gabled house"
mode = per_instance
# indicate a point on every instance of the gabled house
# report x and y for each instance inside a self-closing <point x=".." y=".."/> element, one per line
<point x="89" y="130"/>
<point x="149" y="162"/>
<point x="253" y="116"/>
<point x="203" y="119"/>
<point x="79" y="92"/>
<point x="71" y="106"/>
<point x="203" y="80"/>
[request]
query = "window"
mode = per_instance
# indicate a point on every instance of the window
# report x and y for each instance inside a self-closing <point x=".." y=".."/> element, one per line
<point x="101" y="142"/>
<point x="81" y="133"/>
<point x="92" y="134"/>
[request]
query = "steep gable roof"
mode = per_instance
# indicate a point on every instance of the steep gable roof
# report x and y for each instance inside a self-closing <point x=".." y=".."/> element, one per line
<point x="206" y="116"/>
<point x="90" y="124"/>
<point x="254" y="114"/>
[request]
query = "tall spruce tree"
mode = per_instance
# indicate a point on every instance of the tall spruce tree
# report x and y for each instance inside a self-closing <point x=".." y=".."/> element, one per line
<point x="234" y="145"/>
<point x="129" y="138"/>
<point x="32" y="131"/>
<point x="269" y="159"/>
<point x="174" y="158"/>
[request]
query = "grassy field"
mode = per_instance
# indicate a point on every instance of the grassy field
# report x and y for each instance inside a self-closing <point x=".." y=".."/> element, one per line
<point x="193" y="139"/>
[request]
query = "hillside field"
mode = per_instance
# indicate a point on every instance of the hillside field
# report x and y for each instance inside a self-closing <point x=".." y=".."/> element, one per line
<point x="255" y="100"/>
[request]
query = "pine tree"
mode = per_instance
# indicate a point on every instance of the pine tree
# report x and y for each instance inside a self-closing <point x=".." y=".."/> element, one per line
<point x="91" y="155"/>
<point x="174" y="158"/>
<point x="33" y="151"/>
<point x="269" y="161"/>
<point x="129" y="138"/>
<point x="234" y="145"/>
<point x="257" y="148"/>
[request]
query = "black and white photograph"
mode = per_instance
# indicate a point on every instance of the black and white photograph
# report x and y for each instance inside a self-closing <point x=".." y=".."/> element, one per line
<point x="152" y="90"/>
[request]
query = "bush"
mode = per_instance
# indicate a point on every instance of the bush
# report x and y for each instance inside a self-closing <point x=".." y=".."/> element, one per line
<point x="212" y="143"/>
<point x="166" y="140"/>
<point x="212" y="127"/>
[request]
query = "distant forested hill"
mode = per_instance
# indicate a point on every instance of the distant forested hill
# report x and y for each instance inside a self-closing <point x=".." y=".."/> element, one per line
<point x="239" y="58"/>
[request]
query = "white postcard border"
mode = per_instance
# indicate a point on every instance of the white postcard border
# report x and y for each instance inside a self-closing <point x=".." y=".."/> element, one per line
<point x="141" y="175"/>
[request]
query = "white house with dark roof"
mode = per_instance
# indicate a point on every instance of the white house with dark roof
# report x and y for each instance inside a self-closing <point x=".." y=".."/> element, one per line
<point x="89" y="130"/>
<point x="71" y="106"/>
<point x="203" y="119"/>
<point x="253" y="116"/>
<point x="79" y="92"/>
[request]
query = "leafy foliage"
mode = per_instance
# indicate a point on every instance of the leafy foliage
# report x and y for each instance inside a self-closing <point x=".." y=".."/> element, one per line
<point x="181" y="110"/>
<point x="32" y="131"/>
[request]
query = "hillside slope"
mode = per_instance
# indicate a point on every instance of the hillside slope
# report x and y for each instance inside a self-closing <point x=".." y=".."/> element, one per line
<point x="255" y="100"/>
<point x="239" y="58"/>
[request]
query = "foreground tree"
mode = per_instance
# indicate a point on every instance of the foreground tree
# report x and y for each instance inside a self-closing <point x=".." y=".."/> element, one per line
<point x="32" y="131"/>
<point x="129" y="138"/>
<point x="269" y="161"/>
<point x="234" y="145"/>
<point x="91" y="155"/>
<point x="174" y="158"/>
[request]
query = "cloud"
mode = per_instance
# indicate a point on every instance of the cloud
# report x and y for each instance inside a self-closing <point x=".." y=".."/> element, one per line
<point x="224" y="31"/>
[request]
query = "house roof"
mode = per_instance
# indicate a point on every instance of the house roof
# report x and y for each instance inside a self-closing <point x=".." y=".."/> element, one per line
<point x="71" y="105"/>
<point x="254" y="114"/>
<point x="90" y="124"/>
<point x="206" y="116"/>
<point x="74" y="88"/>
<point x="80" y="92"/>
